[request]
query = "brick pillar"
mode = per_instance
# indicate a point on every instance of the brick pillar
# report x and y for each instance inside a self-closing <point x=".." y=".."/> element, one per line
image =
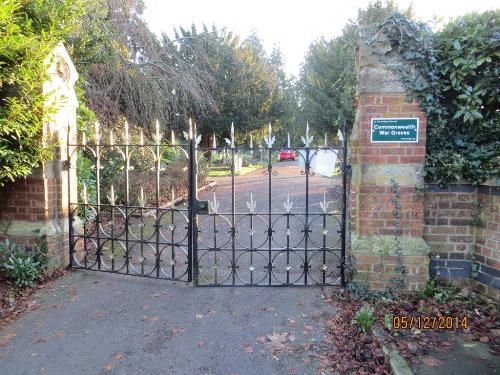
<point x="381" y="95"/>
<point x="40" y="201"/>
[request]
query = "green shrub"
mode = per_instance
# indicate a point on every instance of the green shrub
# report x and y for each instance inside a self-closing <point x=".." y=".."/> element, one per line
<point x="22" y="268"/>
<point x="454" y="75"/>
<point x="28" y="32"/>
<point x="364" y="318"/>
<point x="24" y="265"/>
<point x="433" y="290"/>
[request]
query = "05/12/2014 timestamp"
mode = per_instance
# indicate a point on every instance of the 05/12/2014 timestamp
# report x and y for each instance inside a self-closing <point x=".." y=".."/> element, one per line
<point x="430" y="322"/>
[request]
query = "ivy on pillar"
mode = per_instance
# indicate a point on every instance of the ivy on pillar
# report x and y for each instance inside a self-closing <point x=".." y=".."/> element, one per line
<point x="387" y="154"/>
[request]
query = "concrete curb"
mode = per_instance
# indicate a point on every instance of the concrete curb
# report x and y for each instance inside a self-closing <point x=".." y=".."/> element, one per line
<point x="399" y="365"/>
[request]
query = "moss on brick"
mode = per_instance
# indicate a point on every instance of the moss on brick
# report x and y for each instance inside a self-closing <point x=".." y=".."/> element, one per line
<point x="386" y="245"/>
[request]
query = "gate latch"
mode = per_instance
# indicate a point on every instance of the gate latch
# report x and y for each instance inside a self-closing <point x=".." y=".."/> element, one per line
<point x="202" y="207"/>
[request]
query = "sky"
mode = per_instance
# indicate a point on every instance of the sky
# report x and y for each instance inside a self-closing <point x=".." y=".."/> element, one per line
<point x="291" y="24"/>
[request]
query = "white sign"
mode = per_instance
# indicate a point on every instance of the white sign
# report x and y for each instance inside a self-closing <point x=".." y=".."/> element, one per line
<point x="321" y="162"/>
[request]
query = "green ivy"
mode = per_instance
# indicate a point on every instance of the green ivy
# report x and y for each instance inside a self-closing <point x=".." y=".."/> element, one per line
<point x="454" y="74"/>
<point x="29" y="29"/>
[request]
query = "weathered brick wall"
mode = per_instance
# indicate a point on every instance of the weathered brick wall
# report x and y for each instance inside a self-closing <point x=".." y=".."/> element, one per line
<point x="380" y="93"/>
<point x="371" y="196"/>
<point x="30" y="199"/>
<point x="449" y="231"/>
<point x="487" y="249"/>
<point x="462" y="228"/>
<point x="378" y="271"/>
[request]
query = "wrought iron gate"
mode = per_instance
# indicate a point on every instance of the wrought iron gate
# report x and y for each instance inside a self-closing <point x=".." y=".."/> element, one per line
<point x="128" y="220"/>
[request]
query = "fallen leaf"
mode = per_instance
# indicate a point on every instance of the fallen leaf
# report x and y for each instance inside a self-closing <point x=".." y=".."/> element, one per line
<point x="484" y="339"/>
<point x="146" y="318"/>
<point x="292" y="371"/>
<point x="99" y="315"/>
<point x="118" y="356"/>
<point x="199" y="316"/>
<point x="109" y="366"/>
<point x="307" y="329"/>
<point x="156" y="295"/>
<point x="176" y="331"/>
<point x="4" y="340"/>
<point x="41" y="340"/>
<point x="306" y="361"/>
<point x="60" y="333"/>
<point x="261" y="339"/>
<point x="247" y="348"/>
<point x="432" y="362"/>
<point x="200" y="344"/>
<point x="266" y="308"/>
<point x="277" y="342"/>
<point x="210" y="311"/>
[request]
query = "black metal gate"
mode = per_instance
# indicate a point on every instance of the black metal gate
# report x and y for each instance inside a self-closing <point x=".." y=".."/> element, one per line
<point x="127" y="218"/>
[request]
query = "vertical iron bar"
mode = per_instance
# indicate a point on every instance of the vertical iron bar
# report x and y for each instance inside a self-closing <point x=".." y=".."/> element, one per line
<point x="70" y="215"/>
<point x="251" y="247"/>
<point x="127" y="202"/>
<point x="287" y="247"/>
<point x="172" y="248"/>
<point x="216" y="265"/>
<point x="345" y="169"/>
<point x="112" y="207"/>
<point x="269" y="225"/>
<point x="157" y="205"/>
<point x="192" y="197"/>
<point x="233" y="229"/>
<point x="142" y="239"/>
<point x="324" y="247"/>
<point x="98" y="199"/>
<point x="306" y="229"/>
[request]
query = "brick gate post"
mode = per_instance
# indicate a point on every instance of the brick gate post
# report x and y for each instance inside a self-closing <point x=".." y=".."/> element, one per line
<point x="40" y="201"/>
<point x="386" y="146"/>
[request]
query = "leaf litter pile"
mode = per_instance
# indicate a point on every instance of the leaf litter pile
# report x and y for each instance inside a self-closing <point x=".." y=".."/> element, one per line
<point x="345" y="349"/>
<point x="14" y="301"/>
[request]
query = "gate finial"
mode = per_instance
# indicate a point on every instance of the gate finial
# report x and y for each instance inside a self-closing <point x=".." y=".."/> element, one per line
<point x="214" y="206"/>
<point x="158" y="135"/>
<point x="288" y="204"/>
<point x="270" y="138"/>
<point x="252" y="204"/>
<point x="231" y="142"/>
<point x="307" y="140"/>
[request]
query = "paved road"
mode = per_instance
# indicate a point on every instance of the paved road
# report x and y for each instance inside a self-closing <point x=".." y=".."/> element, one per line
<point x="288" y="181"/>
<point x="96" y="323"/>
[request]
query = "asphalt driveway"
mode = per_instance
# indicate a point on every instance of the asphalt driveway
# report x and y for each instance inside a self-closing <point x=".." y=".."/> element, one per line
<point x="97" y="323"/>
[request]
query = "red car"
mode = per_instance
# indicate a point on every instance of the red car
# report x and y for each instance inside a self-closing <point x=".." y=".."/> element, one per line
<point x="287" y="155"/>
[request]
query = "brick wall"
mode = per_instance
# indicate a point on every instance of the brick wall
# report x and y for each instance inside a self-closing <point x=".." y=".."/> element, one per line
<point x="372" y="202"/>
<point x="31" y="199"/>
<point x="462" y="228"/>
<point x="487" y="250"/>
<point x="388" y="105"/>
<point x="378" y="271"/>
